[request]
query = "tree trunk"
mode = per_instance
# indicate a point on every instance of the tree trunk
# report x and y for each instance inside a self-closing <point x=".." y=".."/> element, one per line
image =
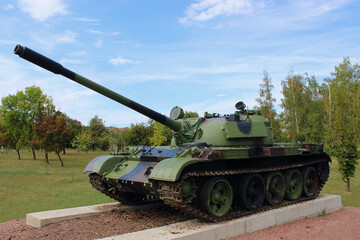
<point x="348" y="185"/>
<point x="33" y="152"/>
<point x="64" y="152"/>
<point x="18" y="152"/>
<point x="46" y="157"/>
<point x="62" y="164"/>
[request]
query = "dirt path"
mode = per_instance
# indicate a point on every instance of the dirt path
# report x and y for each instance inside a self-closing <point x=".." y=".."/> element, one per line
<point x="342" y="224"/>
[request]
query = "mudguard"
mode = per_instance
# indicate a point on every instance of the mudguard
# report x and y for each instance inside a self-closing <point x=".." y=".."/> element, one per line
<point x="102" y="164"/>
<point x="171" y="168"/>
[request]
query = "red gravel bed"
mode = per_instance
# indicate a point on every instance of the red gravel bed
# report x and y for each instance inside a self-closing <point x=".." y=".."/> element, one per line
<point x="99" y="226"/>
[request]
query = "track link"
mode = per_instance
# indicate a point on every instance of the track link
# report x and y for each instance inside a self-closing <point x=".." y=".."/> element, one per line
<point x="170" y="193"/>
<point x="122" y="197"/>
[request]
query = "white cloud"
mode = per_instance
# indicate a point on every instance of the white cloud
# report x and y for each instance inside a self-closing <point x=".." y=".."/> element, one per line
<point x="121" y="61"/>
<point x="91" y="20"/>
<point x="43" y="9"/>
<point x="67" y="37"/>
<point x="205" y="10"/>
<point x="9" y="7"/>
<point x="77" y="53"/>
<point x="103" y="33"/>
<point x="72" y="61"/>
<point x="309" y="8"/>
<point x="99" y="43"/>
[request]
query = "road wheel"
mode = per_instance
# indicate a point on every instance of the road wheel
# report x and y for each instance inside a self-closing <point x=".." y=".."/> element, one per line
<point x="274" y="188"/>
<point x="294" y="184"/>
<point x="216" y="197"/>
<point x="311" y="181"/>
<point x="252" y="191"/>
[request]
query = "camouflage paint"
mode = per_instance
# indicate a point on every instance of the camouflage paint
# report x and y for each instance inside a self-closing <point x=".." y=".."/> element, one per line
<point x="242" y="136"/>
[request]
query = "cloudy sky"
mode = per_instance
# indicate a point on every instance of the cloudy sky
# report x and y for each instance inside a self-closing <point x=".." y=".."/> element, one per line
<point x="201" y="55"/>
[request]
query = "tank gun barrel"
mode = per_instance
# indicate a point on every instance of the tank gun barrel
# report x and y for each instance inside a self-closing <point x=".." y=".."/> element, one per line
<point x="55" y="67"/>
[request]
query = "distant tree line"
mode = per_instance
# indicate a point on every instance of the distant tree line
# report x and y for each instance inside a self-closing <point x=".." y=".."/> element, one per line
<point x="29" y="119"/>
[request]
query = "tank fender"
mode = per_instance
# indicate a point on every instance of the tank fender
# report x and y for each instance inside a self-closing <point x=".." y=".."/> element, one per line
<point x="171" y="168"/>
<point x="102" y="164"/>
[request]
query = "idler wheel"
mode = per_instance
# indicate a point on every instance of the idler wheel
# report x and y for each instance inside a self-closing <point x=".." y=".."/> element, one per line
<point x="294" y="184"/>
<point x="252" y="191"/>
<point x="216" y="197"/>
<point x="274" y="188"/>
<point x="311" y="181"/>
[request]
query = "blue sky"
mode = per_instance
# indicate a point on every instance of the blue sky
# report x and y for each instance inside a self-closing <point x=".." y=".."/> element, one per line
<point x="201" y="55"/>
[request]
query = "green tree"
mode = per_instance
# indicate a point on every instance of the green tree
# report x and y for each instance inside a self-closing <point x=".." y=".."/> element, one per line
<point x="295" y="107"/>
<point x="18" y="113"/>
<point x="75" y="127"/>
<point x="344" y="126"/>
<point x="190" y="114"/>
<point x="83" y="140"/>
<point x="266" y="102"/>
<point x="104" y="141"/>
<point x="315" y="117"/>
<point x="138" y="134"/>
<point x="161" y="136"/>
<point x="3" y="141"/>
<point x="96" y="129"/>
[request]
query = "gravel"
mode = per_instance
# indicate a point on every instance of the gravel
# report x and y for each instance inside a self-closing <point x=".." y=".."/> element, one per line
<point x="99" y="226"/>
<point x="342" y="224"/>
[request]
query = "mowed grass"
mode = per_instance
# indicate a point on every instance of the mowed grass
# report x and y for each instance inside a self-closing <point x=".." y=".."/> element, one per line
<point x="31" y="186"/>
<point x="336" y="186"/>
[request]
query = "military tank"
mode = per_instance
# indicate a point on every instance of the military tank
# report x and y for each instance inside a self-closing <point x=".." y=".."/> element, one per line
<point x="217" y="167"/>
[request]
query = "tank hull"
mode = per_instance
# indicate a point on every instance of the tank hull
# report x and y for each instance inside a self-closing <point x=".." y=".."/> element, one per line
<point x="163" y="173"/>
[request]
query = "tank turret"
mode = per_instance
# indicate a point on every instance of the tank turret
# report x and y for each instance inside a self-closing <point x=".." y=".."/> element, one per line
<point x="217" y="167"/>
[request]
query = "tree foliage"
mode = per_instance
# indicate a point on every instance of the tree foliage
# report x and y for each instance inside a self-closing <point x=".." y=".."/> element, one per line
<point x="161" y="135"/>
<point x="294" y="105"/>
<point x="266" y="102"/>
<point x="51" y="132"/>
<point x="18" y="113"/>
<point x="83" y="140"/>
<point x="138" y="134"/>
<point x="344" y="125"/>
<point x="190" y="114"/>
<point x="304" y="113"/>
<point x="97" y="131"/>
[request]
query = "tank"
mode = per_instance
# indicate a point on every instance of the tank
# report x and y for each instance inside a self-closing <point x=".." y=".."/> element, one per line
<point x="217" y="167"/>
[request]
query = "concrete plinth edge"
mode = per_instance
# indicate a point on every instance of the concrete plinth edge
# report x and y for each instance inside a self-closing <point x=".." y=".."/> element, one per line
<point x="198" y="229"/>
<point x="40" y="219"/>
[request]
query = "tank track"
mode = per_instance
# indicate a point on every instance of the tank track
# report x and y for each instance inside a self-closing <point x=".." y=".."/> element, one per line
<point x="122" y="197"/>
<point x="170" y="193"/>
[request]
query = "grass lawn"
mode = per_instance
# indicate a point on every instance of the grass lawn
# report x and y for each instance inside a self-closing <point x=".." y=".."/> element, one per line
<point x="336" y="186"/>
<point x="31" y="186"/>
